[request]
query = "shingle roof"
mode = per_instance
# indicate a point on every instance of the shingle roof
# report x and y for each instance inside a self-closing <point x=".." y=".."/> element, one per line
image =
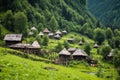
<point x="13" y="37"/>
<point x="20" y="45"/>
<point x="96" y="45"/>
<point x="111" y="53"/>
<point x="33" y="28"/>
<point x="36" y="44"/>
<point x="64" y="31"/>
<point x="46" y="30"/>
<point x="79" y="52"/>
<point x="58" y="32"/>
<point x="71" y="49"/>
<point x="41" y="34"/>
<point x="57" y="36"/>
<point x="64" y="52"/>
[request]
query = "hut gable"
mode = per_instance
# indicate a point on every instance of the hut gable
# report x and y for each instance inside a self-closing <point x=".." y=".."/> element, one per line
<point x="64" y="32"/>
<point x="36" y="44"/>
<point x="79" y="52"/>
<point x="111" y="53"/>
<point x="96" y="45"/>
<point x="13" y="37"/>
<point x="46" y="30"/>
<point x="64" y="52"/>
<point x="41" y="34"/>
<point x="80" y="43"/>
<point x="58" y="32"/>
<point x="30" y="33"/>
<point x="33" y="28"/>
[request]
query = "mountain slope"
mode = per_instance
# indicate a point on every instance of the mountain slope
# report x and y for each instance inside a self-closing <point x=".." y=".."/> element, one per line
<point x="17" y="68"/>
<point x="106" y="11"/>
<point x="69" y="15"/>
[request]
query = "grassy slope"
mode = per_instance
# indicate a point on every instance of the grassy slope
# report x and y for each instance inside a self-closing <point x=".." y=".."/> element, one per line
<point x="16" y="68"/>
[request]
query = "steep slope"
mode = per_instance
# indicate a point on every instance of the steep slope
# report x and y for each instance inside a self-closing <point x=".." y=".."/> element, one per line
<point x="106" y="11"/>
<point x="54" y="14"/>
<point x="16" y="68"/>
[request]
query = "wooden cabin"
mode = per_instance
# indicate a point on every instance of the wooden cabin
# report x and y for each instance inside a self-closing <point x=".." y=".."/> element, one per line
<point x="36" y="46"/>
<point x="46" y="31"/>
<point x="51" y="35"/>
<point x="111" y="54"/>
<point x="80" y="43"/>
<point x="96" y="45"/>
<point x="13" y="39"/>
<point x="64" y="56"/>
<point x="70" y="40"/>
<point x="30" y="33"/>
<point x="57" y="36"/>
<point x="41" y="34"/>
<point x="58" y="32"/>
<point x="64" y="32"/>
<point x="72" y="50"/>
<point x="27" y="48"/>
<point x="33" y="29"/>
<point x="79" y="54"/>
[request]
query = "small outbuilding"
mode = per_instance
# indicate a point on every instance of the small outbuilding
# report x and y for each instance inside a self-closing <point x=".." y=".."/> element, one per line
<point x="57" y="36"/>
<point x="13" y="39"/>
<point x="64" y="32"/>
<point x="79" y="54"/>
<point x="70" y="40"/>
<point x="72" y="50"/>
<point x="58" y="32"/>
<point x="96" y="45"/>
<point x="51" y="35"/>
<point x="46" y="31"/>
<point x="80" y="43"/>
<point x="41" y="34"/>
<point x="64" y="56"/>
<point x="33" y="28"/>
<point x="111" y="54"/>
<point x="30" y="33"/>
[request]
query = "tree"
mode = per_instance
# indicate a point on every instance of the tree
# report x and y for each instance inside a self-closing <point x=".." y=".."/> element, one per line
<point x="59" y="47"/>
<point x="116" y="61"/>
<point x="66" y="44"/>
<point x="45" y="40"/>
<point x="20" y="22"/>
<point x="87" y="48"/>
<point x="109" y="33"/>
<point x="105" y="50"/>
<point x="53" y="24"/>
<point x="99" y="35"/>
<point x="0" y="32"/>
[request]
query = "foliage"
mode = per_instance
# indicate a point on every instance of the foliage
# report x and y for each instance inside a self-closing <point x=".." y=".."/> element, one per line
<point x="99" y="35"/>
<point x="59" y="47"/>
<point x="109" y="33"/>
<point x="105" y="50"/>
<point x="66" y="44"/>
<point x="87" y="48"/>
<point x="45" y="40"/>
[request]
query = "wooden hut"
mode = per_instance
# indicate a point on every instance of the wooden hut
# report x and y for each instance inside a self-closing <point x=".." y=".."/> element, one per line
<point x="72" y="50"/>
<point x="58" y="32"/>
<point x="71" y="40"/>
<point x="111" y="54"/>
<point x="41" y="34"/>
<point x="79" y="54"/>
<point x="64" y="56"/>
<point x="46" y="31"/>
<point x="36" y="47"/>
<point x="13" y="38"/>
<point x="51" y="35"/>
<point x="57" y="36"/>
<point x="96" y="45"/>
<point x="26" y="48"/>
<point x="33" y="29"/>
<point x="64" y="32"/>
<point x="30" y="33"/>
<point x="80" y="43"/>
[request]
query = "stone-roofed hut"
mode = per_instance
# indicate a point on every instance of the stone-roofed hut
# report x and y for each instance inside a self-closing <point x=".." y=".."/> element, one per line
<point x="64" y="56"/>
<point x="46" y="31"/>
<point x="79" y="54"/>
<point x="72" y="50"/>
<point x="33" y="28"/>
<point x="41" y="34"/>
<point x="57" y="36"/>
<point x="58" y="32"/>
<point x="64" y="32"/>
<point x="96" y="45"/>
<point x="80" y="43"/>
<point x="51" y="35"/>
<point x="13" y="39"/>
<point x="70" y="40"/>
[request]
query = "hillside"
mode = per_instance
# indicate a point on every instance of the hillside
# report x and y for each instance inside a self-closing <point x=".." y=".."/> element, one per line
<point x="106" y="11"/>
<point x="54" y="14"/>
